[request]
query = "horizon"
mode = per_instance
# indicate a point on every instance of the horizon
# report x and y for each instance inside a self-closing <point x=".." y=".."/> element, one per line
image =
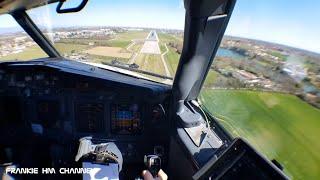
<point x="251" y="20"/>
<point x="19" y="30"/>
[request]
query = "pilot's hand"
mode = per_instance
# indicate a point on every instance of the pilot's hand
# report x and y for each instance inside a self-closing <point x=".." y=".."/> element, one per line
<point x="148" y="176"/>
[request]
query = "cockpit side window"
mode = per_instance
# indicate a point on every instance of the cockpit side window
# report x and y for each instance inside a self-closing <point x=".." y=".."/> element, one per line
<point x="15" y="44"/>
<point x="264" y="83"/>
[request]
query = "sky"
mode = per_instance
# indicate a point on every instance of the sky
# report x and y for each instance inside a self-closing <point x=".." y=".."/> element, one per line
<point x="289" y="22"/>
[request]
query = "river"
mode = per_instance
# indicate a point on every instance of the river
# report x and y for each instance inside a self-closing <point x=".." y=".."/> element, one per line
<point x="222" y="52"/>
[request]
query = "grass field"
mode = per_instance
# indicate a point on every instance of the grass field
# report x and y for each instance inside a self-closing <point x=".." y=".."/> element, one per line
<point x="281" y="126"/>
<point x="69" y="48"/>
<point x="136" y="47"/>
<point x="130" y="35"/>
<point x="35" y="52"/>
<point x="211" y="78"/>
<point x="109" y="51"/>
<point x="118" y="43"/>
<point x="105" y="59"/>
<point x="150" y="63"/>
<point x="172" y="57"/>
<point x="162" y="48"/>
<point x="29" y="53"/>
<point x="124" y="39"/>
<point x="85" y="41"/>
<point x="165" y="37"/>
<point x="172" y="60"/>
<point x="119" y="40"/>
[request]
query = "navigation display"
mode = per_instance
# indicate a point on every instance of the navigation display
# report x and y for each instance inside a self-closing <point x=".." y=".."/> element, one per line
<point x="125" y="119"/>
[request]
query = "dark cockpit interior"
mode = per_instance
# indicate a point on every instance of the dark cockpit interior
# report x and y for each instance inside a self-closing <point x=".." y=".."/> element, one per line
<point x="48" y="107"/>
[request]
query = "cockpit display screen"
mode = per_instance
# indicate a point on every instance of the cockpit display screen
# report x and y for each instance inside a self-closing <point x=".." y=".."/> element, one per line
<point x="125" y="119"/>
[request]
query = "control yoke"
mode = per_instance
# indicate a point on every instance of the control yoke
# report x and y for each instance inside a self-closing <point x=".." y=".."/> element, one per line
<point x="99" y="153"/>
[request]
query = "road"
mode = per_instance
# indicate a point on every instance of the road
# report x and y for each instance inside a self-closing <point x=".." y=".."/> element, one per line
<point x="135" y="54"/>
<point x="164" y="61"/>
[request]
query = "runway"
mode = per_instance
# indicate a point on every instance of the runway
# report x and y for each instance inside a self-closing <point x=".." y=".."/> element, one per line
<point x="151" y="44"/>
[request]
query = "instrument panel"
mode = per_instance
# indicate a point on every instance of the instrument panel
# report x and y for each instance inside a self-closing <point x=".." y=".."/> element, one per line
<point x="82" y="105"/>
<point x="62" y="104"/>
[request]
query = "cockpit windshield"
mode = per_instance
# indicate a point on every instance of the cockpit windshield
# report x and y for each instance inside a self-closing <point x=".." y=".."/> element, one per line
<point x="138" y="36"/>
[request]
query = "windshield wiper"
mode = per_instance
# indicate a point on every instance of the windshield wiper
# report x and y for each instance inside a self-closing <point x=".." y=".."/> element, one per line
<point x="137" y="70"/>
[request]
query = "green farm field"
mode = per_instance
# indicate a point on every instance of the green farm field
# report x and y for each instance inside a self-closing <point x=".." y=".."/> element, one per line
<point x="29" y="53"/>
<point x="281" y="126"/>
<point x="124" y="39"/>
<point x="35" y="52"/>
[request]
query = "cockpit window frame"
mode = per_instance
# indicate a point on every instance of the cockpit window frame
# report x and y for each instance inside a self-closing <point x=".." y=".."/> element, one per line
<point x="34" y="32"/>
